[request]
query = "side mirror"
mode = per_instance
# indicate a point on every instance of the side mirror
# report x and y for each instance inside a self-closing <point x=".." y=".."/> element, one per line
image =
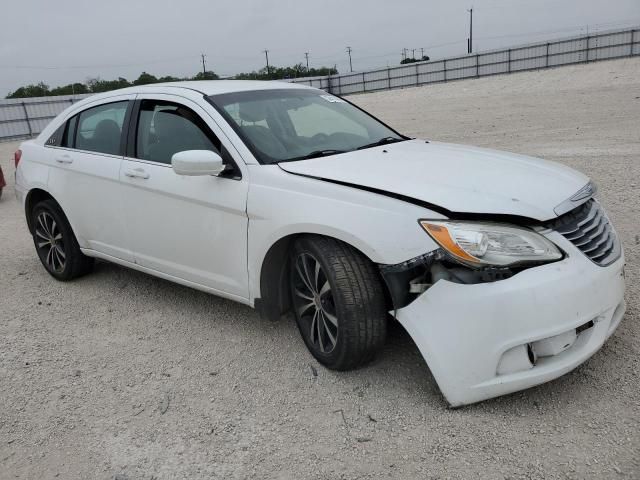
<point x="197" y="163"/>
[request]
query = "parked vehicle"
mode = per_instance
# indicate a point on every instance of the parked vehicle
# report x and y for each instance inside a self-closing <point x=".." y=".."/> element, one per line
<point x="504" y="269"/>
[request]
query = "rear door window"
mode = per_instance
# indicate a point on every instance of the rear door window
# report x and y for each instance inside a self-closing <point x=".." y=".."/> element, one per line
<point x="99" y="129"/>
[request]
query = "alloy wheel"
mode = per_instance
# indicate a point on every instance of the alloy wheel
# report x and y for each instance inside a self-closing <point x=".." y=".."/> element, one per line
<point x="50" y="242"/>
<point x="314" y="303"/>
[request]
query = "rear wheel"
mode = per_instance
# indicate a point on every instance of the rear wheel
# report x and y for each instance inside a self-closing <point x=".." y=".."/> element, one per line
<point x="338" y="302"/>
<point x="56" y="244"/>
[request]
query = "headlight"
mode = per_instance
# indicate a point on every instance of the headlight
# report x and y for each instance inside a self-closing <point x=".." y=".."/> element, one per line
<point x="482" y="244"/>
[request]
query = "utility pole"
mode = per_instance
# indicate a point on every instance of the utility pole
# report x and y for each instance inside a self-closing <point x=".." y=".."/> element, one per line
<point x="404" y="54"/>
<point x="413" y="53"/>
<point x="266" y="55"/>
<point x="350" y="64"/>
<point x="421" y="53"/>
<point x="204" y="65"/>
<point x="306" y="55"/>
<point x="470" y="40"/>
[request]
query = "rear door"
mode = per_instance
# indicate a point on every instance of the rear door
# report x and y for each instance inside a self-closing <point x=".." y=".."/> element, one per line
<point x="85" y="172"/>
<point x="191" y="228"/>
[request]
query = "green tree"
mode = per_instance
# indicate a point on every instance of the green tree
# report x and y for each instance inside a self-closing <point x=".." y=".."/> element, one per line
<point x="35" y="90"/>
<point x="96" y="85"/>
<point x="145" y="79"/>
<point x="414" y="60"/>
<point x="169" y="78"/>
<point x="208" y="75"/>
<point x="295" y="71"/>
<point x="71" y="89"/>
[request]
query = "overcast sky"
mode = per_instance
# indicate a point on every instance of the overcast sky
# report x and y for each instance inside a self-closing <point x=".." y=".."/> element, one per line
<point x="71" y="40"/>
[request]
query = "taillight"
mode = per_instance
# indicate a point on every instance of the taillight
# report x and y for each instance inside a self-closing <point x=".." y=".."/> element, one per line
<point x="17" y="156"/>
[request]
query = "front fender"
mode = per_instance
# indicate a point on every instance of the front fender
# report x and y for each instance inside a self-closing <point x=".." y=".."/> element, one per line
<point x="281" y="204"/>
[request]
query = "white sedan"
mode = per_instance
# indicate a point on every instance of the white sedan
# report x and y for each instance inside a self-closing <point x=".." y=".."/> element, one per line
<point x="504" y="269"/>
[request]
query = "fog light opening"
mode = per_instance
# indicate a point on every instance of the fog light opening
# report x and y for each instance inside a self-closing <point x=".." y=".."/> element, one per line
<point x="533" y="358"/>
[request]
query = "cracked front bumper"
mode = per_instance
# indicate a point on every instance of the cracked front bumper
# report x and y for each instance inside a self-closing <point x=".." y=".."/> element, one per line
<point x="463" y="331"/>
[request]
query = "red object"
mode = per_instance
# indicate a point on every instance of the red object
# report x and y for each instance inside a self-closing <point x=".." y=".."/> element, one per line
<point x="17" y="156"/>
<point x="2" y="182"/>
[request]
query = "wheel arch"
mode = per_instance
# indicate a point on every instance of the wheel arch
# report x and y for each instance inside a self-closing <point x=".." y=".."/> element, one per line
<point x="35" y="196"/>
<point x="274" y="298"/>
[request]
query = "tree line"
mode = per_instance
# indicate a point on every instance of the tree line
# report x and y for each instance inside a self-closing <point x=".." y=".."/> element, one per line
<point x="404" y="61"/>
<point x="97" y="85"/>
<point x="280" y="73"/>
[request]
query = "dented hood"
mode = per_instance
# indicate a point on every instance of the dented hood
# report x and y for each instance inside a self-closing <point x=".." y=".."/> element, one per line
<point x="457" y="178"/>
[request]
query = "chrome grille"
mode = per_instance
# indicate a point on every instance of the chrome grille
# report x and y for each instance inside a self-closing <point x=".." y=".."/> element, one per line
<point x="589" y="229"/>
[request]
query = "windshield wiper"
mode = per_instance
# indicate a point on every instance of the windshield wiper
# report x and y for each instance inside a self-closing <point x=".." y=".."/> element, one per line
<point x="316" y="154"/>
<point x="382" y="141"/>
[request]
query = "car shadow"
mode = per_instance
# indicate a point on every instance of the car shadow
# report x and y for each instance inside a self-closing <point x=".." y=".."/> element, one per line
<point x="399" y="370"/>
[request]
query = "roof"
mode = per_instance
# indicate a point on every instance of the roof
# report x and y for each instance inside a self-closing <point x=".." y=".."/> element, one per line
<point x="214" y="87"/>
<point x="203" y="87"/>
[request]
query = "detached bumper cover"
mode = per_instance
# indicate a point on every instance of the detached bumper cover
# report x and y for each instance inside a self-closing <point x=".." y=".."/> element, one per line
<point x="463" y="331"/>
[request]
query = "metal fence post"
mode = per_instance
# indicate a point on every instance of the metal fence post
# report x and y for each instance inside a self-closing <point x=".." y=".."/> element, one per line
<point x="546" y="63"/>
<point x="389" y="77"/>
<point x="26" y="117"/>
<point x="477" y="65"/>
<point x="339" y="84"/>
<point x="417" y="76"/>
<point x="633" y="34"/>
<point x="509" y="61"/>
<point x="445" y="69"/>
<point x="364" y="83"/>
<point x="587" y="54"/>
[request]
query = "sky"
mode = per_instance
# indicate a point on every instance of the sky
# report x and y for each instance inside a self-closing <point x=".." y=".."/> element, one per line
<point x="64" y="41"/>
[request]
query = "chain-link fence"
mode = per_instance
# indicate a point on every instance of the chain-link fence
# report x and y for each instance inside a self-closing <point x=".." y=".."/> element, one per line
<point x="27" y="117"/>
<point x="588" y="48"/>
<point x="24" y="118"/>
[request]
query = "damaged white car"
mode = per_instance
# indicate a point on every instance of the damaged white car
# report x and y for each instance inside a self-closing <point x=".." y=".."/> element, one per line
<point x="504" y="269"/>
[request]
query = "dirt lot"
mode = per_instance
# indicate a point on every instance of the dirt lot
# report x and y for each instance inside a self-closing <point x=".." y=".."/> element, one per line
<point x="123" y="375"/>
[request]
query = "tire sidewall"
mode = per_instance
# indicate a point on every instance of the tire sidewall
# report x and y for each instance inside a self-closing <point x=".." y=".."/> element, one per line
<point x="67" y="237"/>
<point x="309" y="247"/>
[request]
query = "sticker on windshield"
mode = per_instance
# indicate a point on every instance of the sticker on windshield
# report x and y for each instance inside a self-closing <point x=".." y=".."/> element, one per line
<point x="332" y="99"/>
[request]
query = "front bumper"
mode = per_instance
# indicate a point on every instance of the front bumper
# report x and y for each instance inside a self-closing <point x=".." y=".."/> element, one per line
<point x="463" y="331"/>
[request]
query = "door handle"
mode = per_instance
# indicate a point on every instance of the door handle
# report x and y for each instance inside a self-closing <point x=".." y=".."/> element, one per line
<point x="136" y="173"/>
<point x="64" y="159"/>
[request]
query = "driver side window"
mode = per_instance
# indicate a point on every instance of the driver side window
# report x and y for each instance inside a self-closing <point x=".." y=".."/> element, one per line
<point x="166" y="128"/>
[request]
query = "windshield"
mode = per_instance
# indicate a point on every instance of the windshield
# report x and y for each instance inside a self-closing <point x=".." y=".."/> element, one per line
<point x="294" y="124"/>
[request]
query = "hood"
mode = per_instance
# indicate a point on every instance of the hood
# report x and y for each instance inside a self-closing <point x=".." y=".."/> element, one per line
<point x="457" y="178"/>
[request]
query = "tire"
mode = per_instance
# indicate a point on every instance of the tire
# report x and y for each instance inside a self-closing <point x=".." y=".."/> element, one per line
<point x="340" y="306"/>
<point x="56" y="244"/>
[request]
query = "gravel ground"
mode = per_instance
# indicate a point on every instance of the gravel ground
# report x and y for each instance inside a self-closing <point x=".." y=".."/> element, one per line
<point x="123" y="375"/>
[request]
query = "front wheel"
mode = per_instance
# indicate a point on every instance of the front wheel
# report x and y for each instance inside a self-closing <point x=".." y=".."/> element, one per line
<point x="338" y="302"/>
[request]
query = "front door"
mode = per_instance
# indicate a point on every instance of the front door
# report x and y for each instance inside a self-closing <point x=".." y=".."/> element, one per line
<point x="190" y="228"/>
